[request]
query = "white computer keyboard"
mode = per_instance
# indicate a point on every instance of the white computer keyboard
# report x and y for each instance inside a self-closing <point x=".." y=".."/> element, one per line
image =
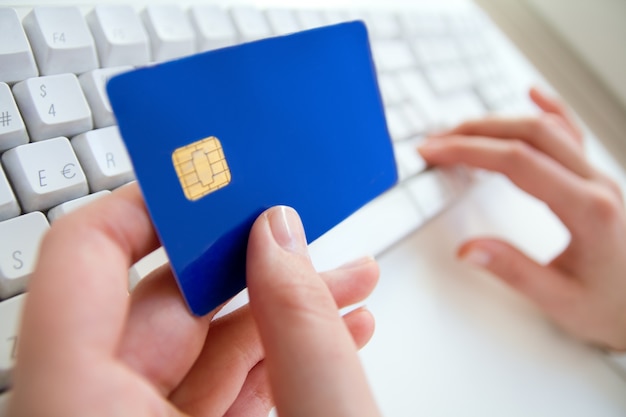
<point x="438" y="63"/>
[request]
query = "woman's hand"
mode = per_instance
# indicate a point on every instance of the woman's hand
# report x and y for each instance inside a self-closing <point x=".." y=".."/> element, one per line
<point x="584" y="289"/>
<point x="88" y="348"/>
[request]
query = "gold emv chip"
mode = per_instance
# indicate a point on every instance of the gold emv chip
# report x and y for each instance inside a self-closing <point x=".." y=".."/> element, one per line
<point x="201" y="167"/>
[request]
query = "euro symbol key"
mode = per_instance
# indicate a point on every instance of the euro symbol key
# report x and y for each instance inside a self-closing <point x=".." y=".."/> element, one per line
<point x="68" y="171"/>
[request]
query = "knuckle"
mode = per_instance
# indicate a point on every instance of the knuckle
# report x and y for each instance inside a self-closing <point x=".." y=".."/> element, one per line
<point x="552" y="120"/>
<point x="613" y="186"/>
<point x="536" y="126"/>
<point x="603" y="204"/>
<point x="517" y="154"/>
<point x="543" y="125"/>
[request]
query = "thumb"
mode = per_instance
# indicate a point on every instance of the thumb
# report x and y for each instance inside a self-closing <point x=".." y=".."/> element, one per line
<point x="554" y="292"/>
<point x="311" y="357"/>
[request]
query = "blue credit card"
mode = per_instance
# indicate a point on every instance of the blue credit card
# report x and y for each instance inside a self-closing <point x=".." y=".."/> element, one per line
<point x="217" y="138"/>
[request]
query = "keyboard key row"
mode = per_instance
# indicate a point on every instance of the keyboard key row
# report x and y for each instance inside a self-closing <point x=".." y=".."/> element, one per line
<point x="55" y="105"/>
<point x="62" y="40"/>
<point x="64" y="105"/>
<point x="55" y="40"/>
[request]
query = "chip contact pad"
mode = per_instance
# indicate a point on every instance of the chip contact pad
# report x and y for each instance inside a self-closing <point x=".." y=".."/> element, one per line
<point x="201" y="167"/>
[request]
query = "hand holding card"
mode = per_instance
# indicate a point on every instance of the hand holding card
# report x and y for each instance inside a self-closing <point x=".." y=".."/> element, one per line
<point x="217" y="138"/>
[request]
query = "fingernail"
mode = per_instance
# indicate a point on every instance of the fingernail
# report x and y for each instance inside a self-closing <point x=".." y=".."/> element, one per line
<point x="441" y="133"/>
<point x="429" y="143"/>
<point x="477" y="257"/>
<point x="287" y="229"/>
<point x="538" y="90"/>
<point x="428" y="146"/>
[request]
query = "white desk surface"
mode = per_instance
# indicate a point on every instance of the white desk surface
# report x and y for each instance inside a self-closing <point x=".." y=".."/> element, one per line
<point x="453" y="341"/>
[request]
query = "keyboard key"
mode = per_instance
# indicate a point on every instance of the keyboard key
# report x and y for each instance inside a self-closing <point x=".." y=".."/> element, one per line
<point x="61" y="40"/>
<point x="10" y="311"/>
<point x="18" y="254"/>
<point x="431" y="51"/>
<point x="473" y="46"/>
<point x="53" y="105"/>
<point x="45" y="174"/>
<point x="282" y="21"/>
<point x="483" y="69"/>
<point x="62" y="209"/>
<point x="424" y="24"/>
<point x="421" y="94"/>
<point x="170" y="32"/>
<point x="16" y="56"/>
<point x="449" y="77"/>
<point x="250" y="23"/>
<point x="463" y="23"/>
<point x="431" y="192"/>
<point x="390" y="90"/>
<point x="461" y="106"/>
<point x="93" y="84"/>
<point x="408" y="159"/>
<point x="119" y="35"/>
<point x="414" y="118"/>
<point x="12" y="129"/>
<point x="104" y="157"/>
<point x="310" y="19"/>
<point x="399" y="128"/>
<point x="383" y="25"/>
<point x="213" y="26"/>
<point x="8" y="203"/>
<point x="392" y="55"/>
<point x="335" y="16"/>
<point x="495" y="93"/>
<point x="459" y="178"/>
<point x="145" y="266"/>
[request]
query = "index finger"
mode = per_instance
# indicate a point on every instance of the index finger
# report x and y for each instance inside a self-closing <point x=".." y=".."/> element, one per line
<point x="548" y="134"/>
<point x="567" y="194"/>
<point x="78" y="293"/>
